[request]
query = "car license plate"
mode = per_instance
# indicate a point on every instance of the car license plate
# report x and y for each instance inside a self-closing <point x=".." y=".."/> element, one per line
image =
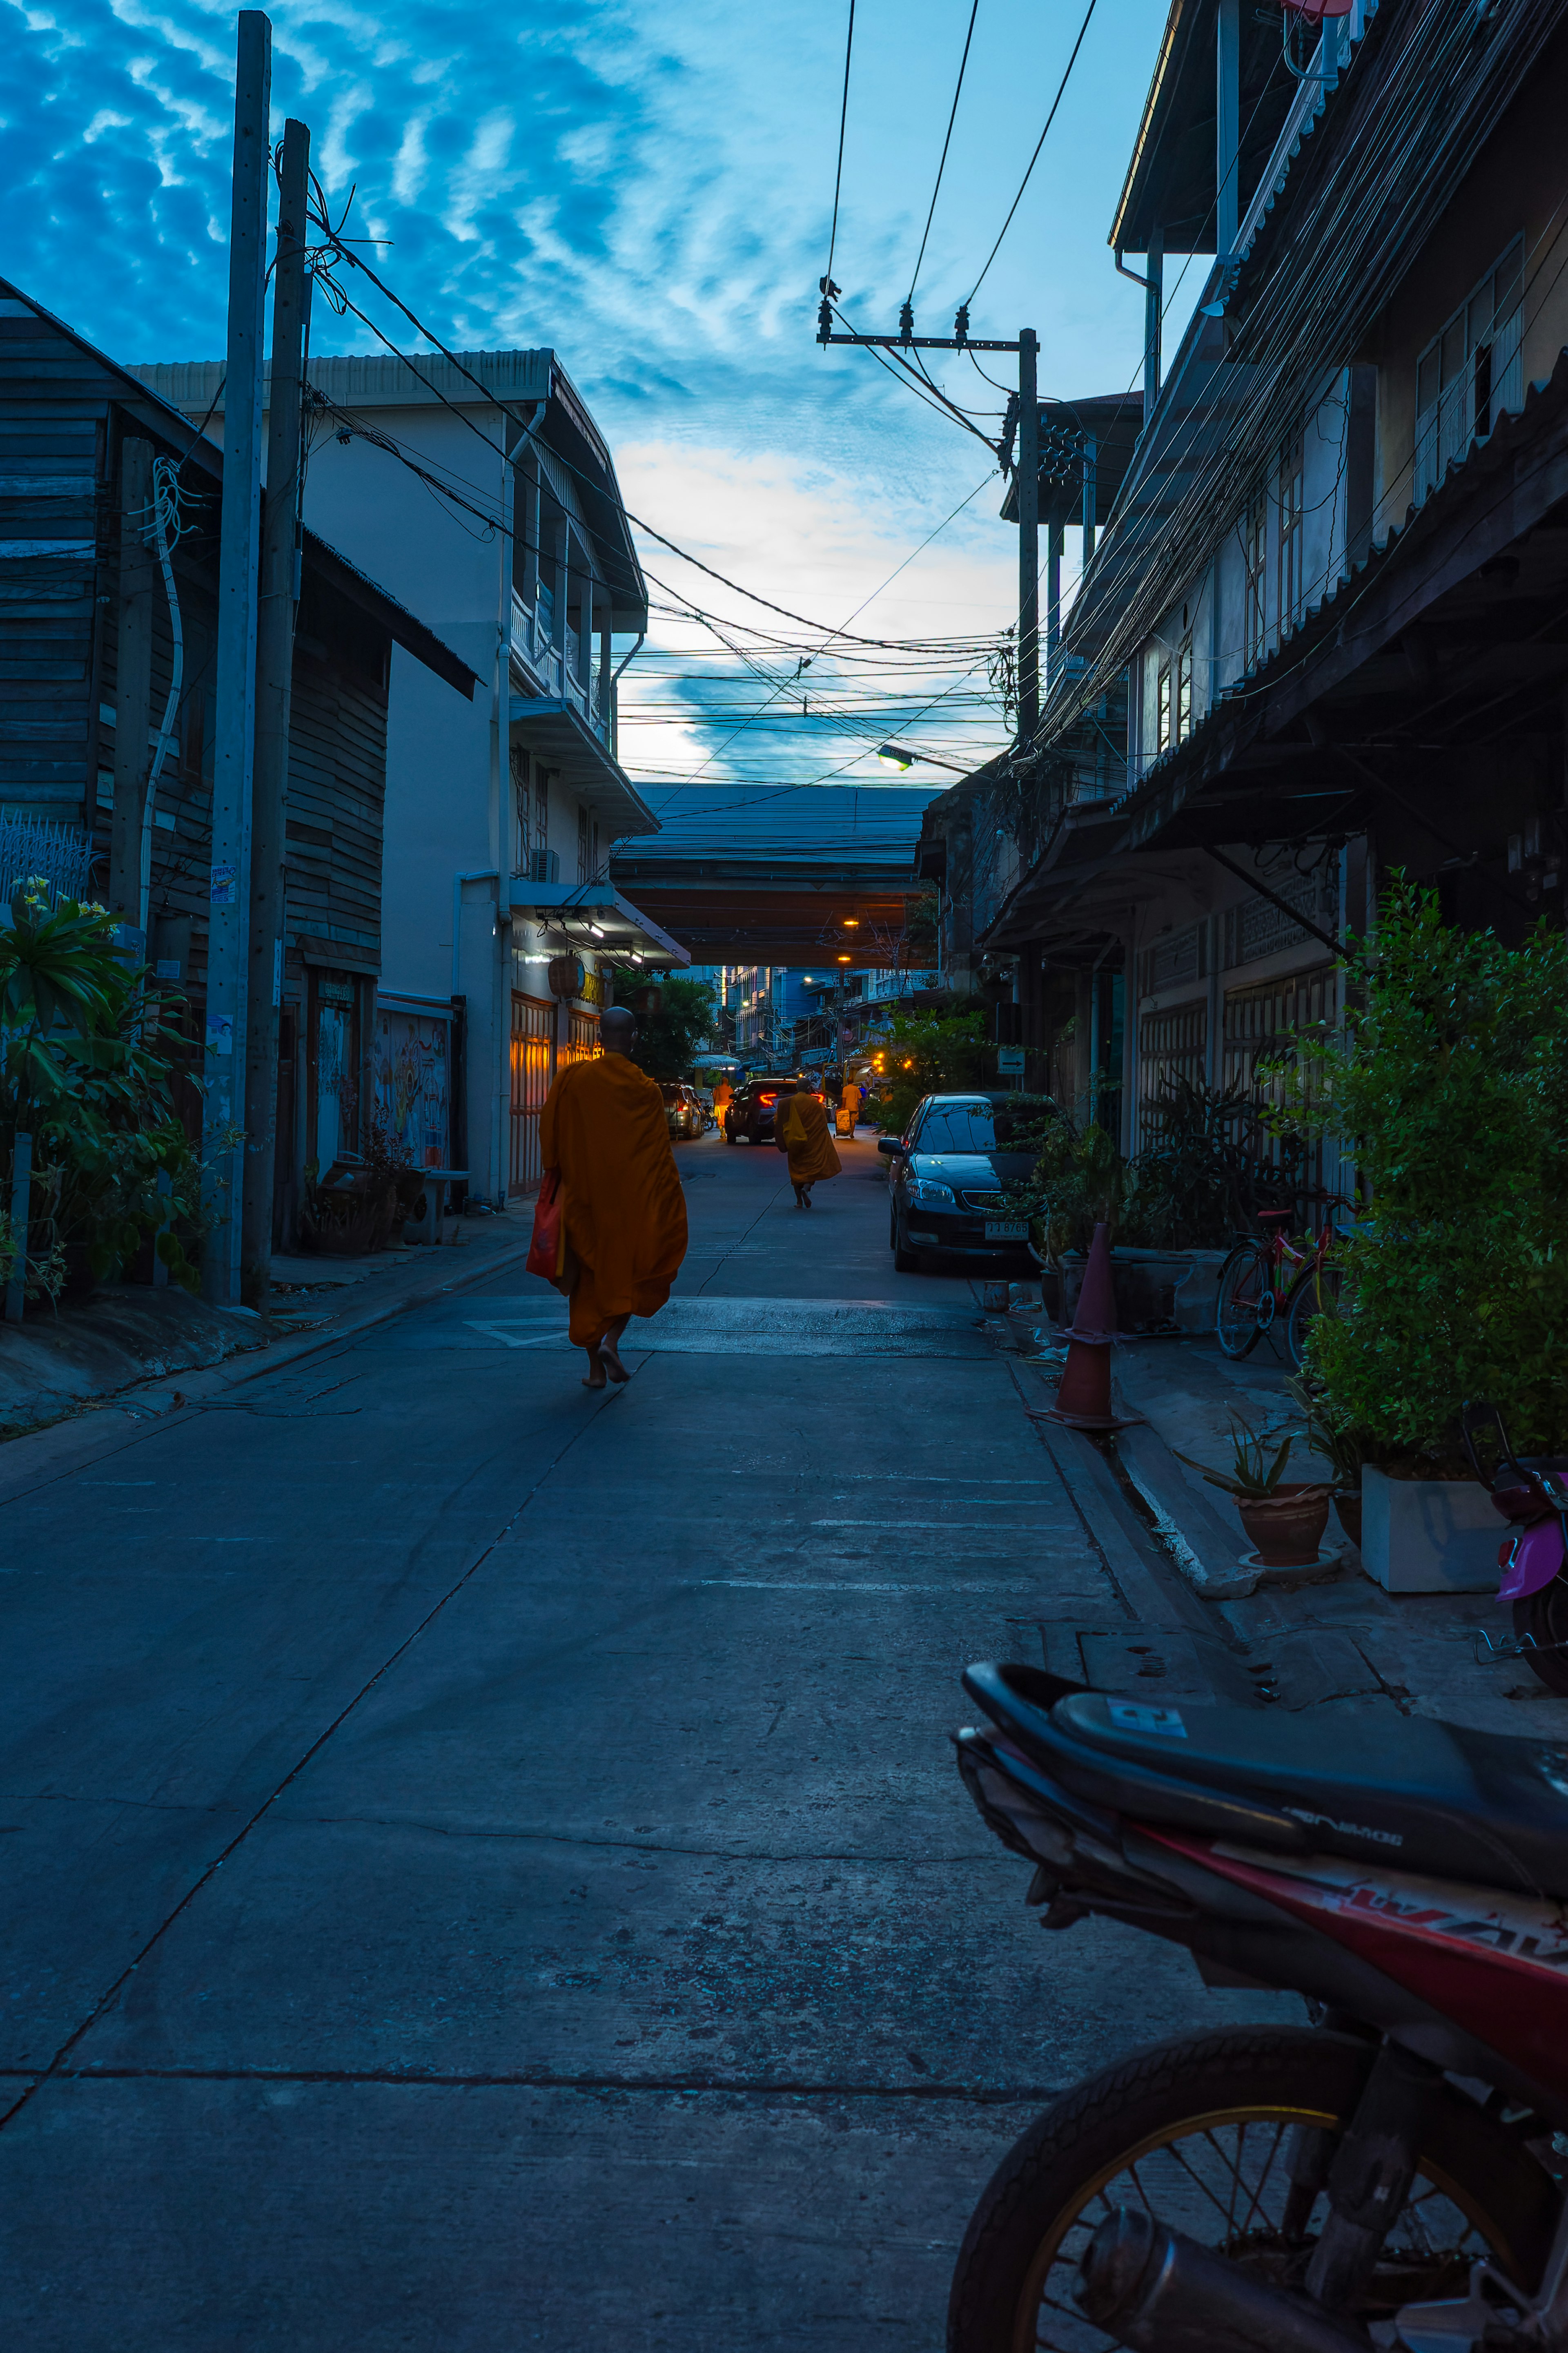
<point x="1006" y="1230"/>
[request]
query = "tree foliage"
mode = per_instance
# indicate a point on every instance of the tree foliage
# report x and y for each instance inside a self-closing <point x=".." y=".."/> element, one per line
<point x="928" y="1054"/>
<point x="1449" y="1087"/>
<point x="667" y="1039"/>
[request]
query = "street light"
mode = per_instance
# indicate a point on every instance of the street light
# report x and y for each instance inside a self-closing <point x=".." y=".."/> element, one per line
<point x="904" y="755"/>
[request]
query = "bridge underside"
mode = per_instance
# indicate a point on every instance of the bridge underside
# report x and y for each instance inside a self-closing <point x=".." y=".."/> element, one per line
<point x="746" y="912"/>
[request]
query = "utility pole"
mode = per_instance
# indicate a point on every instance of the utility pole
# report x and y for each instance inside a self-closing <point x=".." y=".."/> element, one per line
<point x="1028" y="539"/>
<point x="274" y="681"/>
<point x="1028" y="348"/>
<point x="133" y="680"/>
<point x="223" y="1107"/>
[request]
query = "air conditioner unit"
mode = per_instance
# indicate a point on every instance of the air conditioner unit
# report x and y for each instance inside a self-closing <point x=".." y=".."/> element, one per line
<point x="545" y="866"/>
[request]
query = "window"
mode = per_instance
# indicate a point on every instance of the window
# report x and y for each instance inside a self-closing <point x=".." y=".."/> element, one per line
<point x="1254" y="544"/>
<point x="1162" y="708"/>
<point x="523" y="801"/>
<point x="958" y="1128"/>
<point x="1184" y="690"/>
<point x="1470" y="374"/>
<point x="1292" y="467"/>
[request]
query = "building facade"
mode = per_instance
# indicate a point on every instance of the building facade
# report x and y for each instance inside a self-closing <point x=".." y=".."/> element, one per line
<point x="482" y="489"/>
<point x="1328" y="594"/>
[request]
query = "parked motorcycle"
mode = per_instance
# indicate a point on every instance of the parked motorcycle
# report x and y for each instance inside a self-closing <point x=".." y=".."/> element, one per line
<point x="1388" y="2176"/>
<point x="1531" y="1492"/>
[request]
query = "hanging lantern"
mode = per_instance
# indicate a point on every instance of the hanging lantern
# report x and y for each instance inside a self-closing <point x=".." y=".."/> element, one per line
<point x="566" y="976"/>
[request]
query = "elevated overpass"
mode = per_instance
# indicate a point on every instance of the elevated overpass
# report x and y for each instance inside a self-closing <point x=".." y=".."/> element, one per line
<point x="771" y="874"/>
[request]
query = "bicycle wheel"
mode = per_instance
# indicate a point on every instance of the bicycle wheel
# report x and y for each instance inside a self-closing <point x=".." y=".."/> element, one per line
<point x="1216" y="2135"/>
<point x="1317" y="1294"/>
<point x="1239" y="1308"/>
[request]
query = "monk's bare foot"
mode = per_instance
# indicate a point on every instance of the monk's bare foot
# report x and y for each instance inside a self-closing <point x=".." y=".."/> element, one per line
<point x="611" y="1361"/>
<point x="595" y="1379"/>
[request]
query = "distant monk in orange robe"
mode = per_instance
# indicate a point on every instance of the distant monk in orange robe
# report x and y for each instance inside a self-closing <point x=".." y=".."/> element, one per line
<point x="800" y="1129"/>
<point x="623" y="1216"/>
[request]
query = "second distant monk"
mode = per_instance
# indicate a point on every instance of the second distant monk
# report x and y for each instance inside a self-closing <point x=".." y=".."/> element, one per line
<point x="800" y="1129"/>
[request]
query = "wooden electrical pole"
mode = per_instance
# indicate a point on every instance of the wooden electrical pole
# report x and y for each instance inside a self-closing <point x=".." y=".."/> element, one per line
<point x="133" y="679"/>
<point x="1028" y="538"/>
<point x="274" y="680"/>
<point x="222" y="1106"/>
<point x="1029" y="476"/>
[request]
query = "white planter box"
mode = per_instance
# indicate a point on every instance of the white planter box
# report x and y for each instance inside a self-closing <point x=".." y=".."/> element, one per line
<point x="1429" y="1535"/>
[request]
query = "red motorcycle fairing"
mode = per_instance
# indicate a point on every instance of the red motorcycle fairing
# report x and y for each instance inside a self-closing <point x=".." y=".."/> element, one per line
<point x="1531" y="1558"/>
<point x="1497" y="1964"/>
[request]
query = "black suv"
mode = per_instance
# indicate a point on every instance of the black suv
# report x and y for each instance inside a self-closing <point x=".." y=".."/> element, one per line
<point x="949" y="1168"/>
<point x="750" y="1112"/>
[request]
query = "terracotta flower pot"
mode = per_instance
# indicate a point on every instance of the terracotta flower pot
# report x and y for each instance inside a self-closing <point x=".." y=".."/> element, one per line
<point x="1347" y="1504"/>
<point x="1286" y="1529"/>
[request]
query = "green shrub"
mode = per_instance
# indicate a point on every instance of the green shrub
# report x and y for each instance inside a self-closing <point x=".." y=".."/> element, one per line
<point x="1450" y="1088"/>
<point x="82" y="1073"/>
<point x="928" y="1054"/>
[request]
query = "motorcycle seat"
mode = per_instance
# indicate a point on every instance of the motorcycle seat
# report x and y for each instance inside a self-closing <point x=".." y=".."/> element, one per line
<point x="1412" y="1793"/>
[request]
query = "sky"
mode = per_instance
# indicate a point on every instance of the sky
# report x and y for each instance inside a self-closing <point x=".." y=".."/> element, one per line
<point x="649" y="190"/>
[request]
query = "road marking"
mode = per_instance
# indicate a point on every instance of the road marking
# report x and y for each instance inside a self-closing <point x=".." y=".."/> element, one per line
<point x="852" y="1585"/>
<point x="987" y="1527"/>
<point x="507" y="1333"/>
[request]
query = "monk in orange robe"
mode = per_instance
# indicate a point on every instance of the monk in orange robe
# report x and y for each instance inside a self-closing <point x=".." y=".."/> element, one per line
<point x="623" y="1216"/>
<point x="800" y="1129"/>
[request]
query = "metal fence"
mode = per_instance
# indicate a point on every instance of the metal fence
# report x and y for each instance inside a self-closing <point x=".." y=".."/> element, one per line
<point x="37" y="849"/>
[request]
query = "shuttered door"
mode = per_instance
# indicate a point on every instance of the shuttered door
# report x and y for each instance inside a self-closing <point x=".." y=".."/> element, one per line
<point x="582" y="1037"/>
<point x="532" y="1031"/>
<point x="1264" y="1018"/>
<point x="1173" y="1044"/>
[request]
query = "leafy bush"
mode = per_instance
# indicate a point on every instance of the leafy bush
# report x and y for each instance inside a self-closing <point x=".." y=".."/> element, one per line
<point x="1450" y="1087"/>
<point x="82" y="1073"/>
<point x="1079" y="1182"/>
<point x="1206" y="1170"/>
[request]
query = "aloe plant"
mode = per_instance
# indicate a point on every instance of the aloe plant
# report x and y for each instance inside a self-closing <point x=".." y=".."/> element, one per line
<point x="1256" y="1475"/>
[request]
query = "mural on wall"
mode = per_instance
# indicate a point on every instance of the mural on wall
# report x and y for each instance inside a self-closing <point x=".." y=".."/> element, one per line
<point x="413" y="1099"/>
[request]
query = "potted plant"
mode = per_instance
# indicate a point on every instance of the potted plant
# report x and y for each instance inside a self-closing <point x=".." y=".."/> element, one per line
<point x="1283" y="1520"/>
<point x="1446" y="1087"/>
<point x="1328" y="1434"/>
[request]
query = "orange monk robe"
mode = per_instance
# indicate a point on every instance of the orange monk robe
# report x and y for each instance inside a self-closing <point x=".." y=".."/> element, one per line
<point x="623" y="1224"/>
<point x="801" y="1126"/>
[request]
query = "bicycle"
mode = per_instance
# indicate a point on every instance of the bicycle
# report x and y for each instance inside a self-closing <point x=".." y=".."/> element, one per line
<point x="1263" y="1279"/>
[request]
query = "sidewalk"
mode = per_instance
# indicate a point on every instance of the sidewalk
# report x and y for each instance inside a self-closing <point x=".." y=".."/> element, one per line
<point x="1332" y="1638"/>
<point x="67" y="1383"/>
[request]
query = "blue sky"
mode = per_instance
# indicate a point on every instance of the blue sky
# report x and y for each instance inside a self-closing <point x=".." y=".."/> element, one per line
<point x="648" y="190"/>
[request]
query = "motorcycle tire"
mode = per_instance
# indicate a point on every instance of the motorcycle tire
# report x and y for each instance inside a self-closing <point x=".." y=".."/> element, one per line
<point x="1011" y="2287"/>
<point x="1542" y="1619"/>
<point x="1240" y="1298"/>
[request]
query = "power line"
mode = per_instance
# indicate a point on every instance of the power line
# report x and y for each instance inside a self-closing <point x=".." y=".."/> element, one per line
<point x="838" y="175"/>
<point x="941" y="166"/>
<point x="1035" y="156"/>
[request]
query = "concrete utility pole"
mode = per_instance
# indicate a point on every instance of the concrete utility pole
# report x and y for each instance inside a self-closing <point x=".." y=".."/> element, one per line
<point x="235" y="735"/>
<point x="1028" y="538"/>
<point x="274" y="683"/>
<point x="1228" y="127"/>
<point x="133" y="679"/>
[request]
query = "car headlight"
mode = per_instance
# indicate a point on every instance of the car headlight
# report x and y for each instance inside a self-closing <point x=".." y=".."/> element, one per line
<point x="926" y="1193"/>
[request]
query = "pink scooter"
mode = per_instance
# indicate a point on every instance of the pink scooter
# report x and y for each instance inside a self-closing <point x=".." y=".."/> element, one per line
<point x="1532" y="1493"/>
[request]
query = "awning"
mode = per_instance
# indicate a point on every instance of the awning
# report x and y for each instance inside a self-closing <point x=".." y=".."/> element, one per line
<point x="593" y="919"/>
<point x="561" y="737"/>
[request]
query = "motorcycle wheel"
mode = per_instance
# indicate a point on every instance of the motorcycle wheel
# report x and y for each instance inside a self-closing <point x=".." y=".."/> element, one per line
<point x="1202" y="2132"/>
<point x="1542" y="1618"/>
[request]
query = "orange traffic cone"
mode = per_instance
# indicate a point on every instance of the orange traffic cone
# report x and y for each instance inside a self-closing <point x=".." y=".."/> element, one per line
<point x="1083" y="1400"/>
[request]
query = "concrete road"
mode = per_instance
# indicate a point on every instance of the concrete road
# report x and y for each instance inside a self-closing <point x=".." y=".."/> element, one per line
<point x="484" y="1865"/>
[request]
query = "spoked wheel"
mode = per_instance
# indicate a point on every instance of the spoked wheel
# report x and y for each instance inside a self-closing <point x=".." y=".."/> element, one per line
<point x="1246" y="1302"/>
<point x="1222" y="2137"/>
<point x="1542" y="1620"/>
<point x="1317" y="1294"/>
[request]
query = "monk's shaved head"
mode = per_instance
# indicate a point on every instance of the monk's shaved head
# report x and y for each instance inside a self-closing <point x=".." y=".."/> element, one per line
<point x="617" y="1030"/>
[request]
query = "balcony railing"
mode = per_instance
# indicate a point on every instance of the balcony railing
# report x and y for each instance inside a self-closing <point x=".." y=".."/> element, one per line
<point x="558" y="678"/>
